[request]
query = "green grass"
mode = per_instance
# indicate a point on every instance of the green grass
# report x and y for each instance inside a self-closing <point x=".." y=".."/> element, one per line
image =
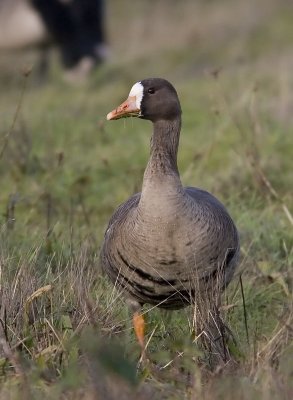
<point x="64" y="331"/>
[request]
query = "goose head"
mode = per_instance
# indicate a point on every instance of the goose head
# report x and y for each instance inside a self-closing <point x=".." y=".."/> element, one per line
<point x="153" y="99"/>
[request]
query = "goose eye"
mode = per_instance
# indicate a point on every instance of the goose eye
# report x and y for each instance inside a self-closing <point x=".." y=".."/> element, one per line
<point x="151" y="90"/>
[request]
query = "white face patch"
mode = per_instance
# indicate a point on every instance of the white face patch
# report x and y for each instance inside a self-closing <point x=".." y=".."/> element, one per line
<point x="137" y="92"/>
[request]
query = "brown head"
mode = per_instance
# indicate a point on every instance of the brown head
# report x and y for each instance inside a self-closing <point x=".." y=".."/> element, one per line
<point x="153" y="99"/>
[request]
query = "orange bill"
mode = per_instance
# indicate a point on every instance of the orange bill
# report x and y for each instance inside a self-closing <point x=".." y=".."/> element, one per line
<point x="127" y="109"/>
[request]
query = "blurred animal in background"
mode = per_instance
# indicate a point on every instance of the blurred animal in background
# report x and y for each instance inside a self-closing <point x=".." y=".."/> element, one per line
<point x="75" y="26"/>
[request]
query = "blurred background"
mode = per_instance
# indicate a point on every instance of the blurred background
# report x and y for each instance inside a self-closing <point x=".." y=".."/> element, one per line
<point x="64" y="170"/>
<point x="191" y="36"/>
<point x="230" y="61"/>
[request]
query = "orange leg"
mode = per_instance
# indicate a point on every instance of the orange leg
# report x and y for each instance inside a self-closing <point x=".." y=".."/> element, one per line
<point x="139" y="327"/>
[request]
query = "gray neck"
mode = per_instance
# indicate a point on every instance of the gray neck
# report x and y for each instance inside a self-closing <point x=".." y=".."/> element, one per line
<point x="164" y="147"/>
<point x="162" y="172"/>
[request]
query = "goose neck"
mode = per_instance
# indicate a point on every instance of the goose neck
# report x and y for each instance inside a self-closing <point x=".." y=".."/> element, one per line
<point x="164" y="147"/>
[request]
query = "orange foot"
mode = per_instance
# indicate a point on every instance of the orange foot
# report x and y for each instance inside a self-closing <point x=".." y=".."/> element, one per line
<point x="139" y="325"/>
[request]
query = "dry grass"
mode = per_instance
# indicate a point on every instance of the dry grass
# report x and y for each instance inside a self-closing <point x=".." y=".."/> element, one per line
<point x="64" y="331"/>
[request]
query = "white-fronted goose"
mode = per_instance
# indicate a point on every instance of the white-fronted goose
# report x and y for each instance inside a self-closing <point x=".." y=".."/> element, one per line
<point x="167" y="244"/>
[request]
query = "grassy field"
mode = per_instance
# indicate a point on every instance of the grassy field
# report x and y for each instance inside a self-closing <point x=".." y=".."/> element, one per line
<point x="64" y="332"/>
